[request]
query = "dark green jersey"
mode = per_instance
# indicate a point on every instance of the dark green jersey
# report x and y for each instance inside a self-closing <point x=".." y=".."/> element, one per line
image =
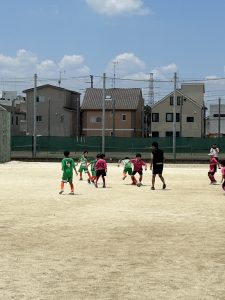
<point x="68" y="166"/>
<point x="93" y="162"/>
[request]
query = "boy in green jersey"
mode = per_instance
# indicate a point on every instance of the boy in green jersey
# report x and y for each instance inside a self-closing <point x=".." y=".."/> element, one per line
<point x="127" y="166"/>
<point x="93" y="170"/>
<point x="68" y="165"/>
<point x="84" y="166"/>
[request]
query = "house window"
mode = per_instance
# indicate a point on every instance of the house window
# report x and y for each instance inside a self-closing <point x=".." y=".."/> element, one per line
<point x="17" y="120"/>
<point x="169" y="117"/>
<point x="40" y="99"/>
<point x="155" y="117"/>
<point x="155" y="134"/>
<point x="96" y="119"/>
<point x="178" y="100"/>
<point x="170" y="133"/>
<point x="217" y="115"/>
<point x="190" y="119"/>
<point x="39" y="118"/>
<point x="12" y="120"/>
<point x="171" y="100"/>
<point x="124" y="117"/>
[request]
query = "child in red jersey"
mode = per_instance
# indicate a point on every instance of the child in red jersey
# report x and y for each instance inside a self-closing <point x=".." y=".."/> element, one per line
<point x="138" y="163"/>
<point x="212" y="168"/>
<point x="223" y="174"/>
<point x="101" y="169"/>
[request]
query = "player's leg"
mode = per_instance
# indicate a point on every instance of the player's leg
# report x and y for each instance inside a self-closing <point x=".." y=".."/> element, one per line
<point x="71" y="187"/>
<point x="80" y="171"/>
<point x="163" y="180"/>
<point x="61" y="187"/>
<point x="134" y="180"/>
<point x="124" y="173"/>
<point x="153" y="181"/>
<point x="103" y="180"/>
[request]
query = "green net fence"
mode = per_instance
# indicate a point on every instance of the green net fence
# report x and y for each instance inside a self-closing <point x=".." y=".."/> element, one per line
<point x="114" y="144"/>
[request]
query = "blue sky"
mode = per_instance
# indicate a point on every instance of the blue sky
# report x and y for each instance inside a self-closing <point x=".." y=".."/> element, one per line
<point x="83" y="37"/>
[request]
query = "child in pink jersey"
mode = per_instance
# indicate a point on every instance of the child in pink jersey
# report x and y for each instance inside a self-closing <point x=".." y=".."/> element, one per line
<point x="212" y="168"/>
<point x="223" y="174"/>
<point x="138" y="163"/>
<point x="101" y="169"/>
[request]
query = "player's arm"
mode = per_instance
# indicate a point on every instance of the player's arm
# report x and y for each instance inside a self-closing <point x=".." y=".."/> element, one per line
<point x="145" y="166"/>
<point x="151" y="161"/>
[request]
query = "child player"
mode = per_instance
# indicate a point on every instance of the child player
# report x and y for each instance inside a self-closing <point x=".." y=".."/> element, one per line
<point x="68" y="166"/>
<point x="84" y="166"/>
<point x="156" y="165"/>
<point x="101" y="170"/>
<point x="127" y="166"/>
<point x="93" y="169"/>
<point x="138" y="163"/>
<point x="212" y="168"/>
<point x="223" y="174"/>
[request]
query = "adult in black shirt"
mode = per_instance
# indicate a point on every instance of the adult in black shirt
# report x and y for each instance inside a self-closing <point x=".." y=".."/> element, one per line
<point x="157" y="161"/>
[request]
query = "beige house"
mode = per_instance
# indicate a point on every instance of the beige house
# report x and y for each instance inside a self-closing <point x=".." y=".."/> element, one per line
<point x="190" y="113"/>
<point x="123" y="112"/>
<point x="57" y="111"/>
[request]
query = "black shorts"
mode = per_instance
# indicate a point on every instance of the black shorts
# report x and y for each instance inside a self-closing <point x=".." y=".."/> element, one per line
<point x="139" y="172"/>
<point x="157" y="169"/>
<point x="212" y="173"/>
<point x="100" y="173"/>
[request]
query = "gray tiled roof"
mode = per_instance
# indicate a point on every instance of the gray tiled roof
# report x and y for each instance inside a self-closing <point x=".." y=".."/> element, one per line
<point x="127" y="99"/>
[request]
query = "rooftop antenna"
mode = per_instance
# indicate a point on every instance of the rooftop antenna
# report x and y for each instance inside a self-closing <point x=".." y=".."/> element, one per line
<point x="115" y="62"/>
<point x="60" y="76"/>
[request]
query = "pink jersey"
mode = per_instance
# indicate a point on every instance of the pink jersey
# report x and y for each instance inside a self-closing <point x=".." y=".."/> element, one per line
<point x="137" y="164"/>
<point x="223" y="171"/>
<point x="101" y="164"/>
<point x="213" y="165"/>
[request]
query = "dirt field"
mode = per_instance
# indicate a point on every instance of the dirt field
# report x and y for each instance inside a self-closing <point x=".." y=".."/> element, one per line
<point x="122" y="242"/>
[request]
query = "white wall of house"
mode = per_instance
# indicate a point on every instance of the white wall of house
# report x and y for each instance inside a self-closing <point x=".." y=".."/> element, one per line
<point x="212" y="122"/>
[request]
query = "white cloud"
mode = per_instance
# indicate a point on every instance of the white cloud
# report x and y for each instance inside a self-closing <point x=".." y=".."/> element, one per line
<point x="118" y="7"/>
<point x="164" y="72"/>
<point x="124" y="64"/>
<point x="25" y="63"/>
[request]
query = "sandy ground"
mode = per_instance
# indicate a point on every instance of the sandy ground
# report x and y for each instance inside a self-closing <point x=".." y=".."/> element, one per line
<point x="122" y="242"/>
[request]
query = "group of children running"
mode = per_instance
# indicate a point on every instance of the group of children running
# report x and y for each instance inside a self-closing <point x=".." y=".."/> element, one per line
<point x="214" y="164"/>
<point x="99" y="168"/>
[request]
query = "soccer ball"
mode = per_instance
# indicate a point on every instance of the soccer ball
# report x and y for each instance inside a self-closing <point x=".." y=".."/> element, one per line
<point x="139" y="184"/>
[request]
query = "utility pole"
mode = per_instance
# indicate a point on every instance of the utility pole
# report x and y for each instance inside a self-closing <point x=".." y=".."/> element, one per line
<point x="114" y="114"/>
<point x="151" y="91"/>
<point x="103" y="114"/>
<point x="92" y="83"/>
<point x="174" y="116"/>
<point x="219" y="119"/>
<point x="114" y="73"/>
<point x="34" y="119"/>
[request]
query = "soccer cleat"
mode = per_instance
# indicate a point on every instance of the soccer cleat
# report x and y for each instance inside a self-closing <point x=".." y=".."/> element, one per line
<point x="164" y="186"/>
<point x="81" y="179"/>
<point x="89" y="181"/>
<point x="139" y="184"/>
<point x="61" y="192"/>
<point x="124" y="177"/>
<point x="71" y="193"/>
<point x="104" y="186"/>
<point x="96" y="185"/>
<point x="152" y="188"/>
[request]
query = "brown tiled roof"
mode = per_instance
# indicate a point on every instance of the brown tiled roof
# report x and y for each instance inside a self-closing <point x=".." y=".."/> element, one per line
<point x="125" y="99"/>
